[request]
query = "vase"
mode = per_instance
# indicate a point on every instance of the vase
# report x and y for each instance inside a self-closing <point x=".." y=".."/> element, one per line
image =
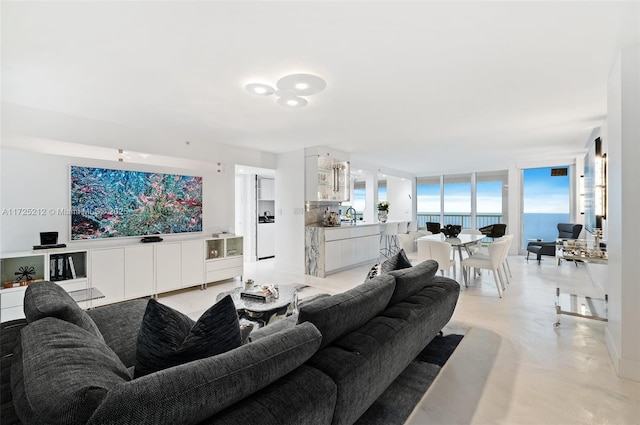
<point x="382" y="216"/>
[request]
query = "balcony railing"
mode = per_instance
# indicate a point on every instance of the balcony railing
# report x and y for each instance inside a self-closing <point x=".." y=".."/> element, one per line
<point x="463" y="220"/>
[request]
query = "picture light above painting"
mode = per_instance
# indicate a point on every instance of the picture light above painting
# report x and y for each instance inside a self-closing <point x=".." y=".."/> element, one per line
<point x="110" y="203"/>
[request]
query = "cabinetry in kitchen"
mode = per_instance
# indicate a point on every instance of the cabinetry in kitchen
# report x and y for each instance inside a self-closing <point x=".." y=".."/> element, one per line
<point x="340" y="248"/>
<point x="327" y="178"/>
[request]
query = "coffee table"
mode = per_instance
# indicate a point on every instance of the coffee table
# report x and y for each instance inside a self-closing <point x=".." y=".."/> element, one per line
<point x="264" y="313"/>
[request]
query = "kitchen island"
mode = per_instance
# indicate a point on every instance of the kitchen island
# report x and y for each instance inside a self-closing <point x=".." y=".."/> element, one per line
<point x="333" y="249"/>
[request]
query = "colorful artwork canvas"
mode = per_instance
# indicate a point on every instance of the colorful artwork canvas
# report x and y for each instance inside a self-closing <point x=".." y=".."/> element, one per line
<point x="107" y="203"/>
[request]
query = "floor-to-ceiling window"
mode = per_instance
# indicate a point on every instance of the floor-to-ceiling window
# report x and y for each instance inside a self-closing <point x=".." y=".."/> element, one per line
<point x="428" y="189"/>
<point x="455" y="199"/>
<point x="382" y="190"/>
<point x="491" y="196"/>
<point x="546" y="202"/>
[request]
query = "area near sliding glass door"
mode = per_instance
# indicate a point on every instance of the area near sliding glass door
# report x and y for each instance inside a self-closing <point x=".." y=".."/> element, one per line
<point x="472" y="200"/>
<point x="546" y="201"/>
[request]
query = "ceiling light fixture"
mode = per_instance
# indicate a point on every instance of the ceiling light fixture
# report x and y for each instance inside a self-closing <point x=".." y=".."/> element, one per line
<point x="290" y="89"/>
<point x="259" y="89"/>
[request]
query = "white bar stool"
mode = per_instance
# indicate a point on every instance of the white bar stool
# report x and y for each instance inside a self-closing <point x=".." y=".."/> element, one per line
<point x="389" y="237"/>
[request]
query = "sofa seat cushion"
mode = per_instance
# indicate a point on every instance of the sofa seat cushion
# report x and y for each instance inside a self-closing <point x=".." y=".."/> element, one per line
<point x="48" y="299"/>
<point x="342" y="313"/>
<point x="168" y="338"/>
<point x="193" y="392"/>
<point x="61" y="373"/>
<point x="411" y="280"/>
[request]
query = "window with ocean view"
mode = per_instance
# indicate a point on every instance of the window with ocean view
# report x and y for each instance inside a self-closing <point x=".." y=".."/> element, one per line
<point x="453" y="201"/>
<point x="546" y="202"/>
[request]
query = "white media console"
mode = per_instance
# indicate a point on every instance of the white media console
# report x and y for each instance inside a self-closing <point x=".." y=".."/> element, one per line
<point x="105" y="275"/>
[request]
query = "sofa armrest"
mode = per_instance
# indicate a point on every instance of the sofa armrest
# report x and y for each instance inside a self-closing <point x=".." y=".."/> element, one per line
<point x="278" y="326"/>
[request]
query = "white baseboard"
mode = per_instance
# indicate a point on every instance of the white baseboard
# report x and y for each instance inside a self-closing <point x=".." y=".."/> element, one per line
<point x="625" y="368"/>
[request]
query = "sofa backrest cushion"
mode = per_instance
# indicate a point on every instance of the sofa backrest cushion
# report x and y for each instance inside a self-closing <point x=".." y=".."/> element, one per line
<point x="168" y="338"/>
<point x="192" y="392"/>
<point x="119" y="324"/>
<point x="411" y="280"/>
<point x="342" y="313"/>
<point x="48" y="299"/>
<point x="61" y="373"/>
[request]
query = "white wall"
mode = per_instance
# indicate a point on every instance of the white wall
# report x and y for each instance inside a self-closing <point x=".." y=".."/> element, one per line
<point x="40" y="180"/>
<point x="623" y="156"/>
<point x="289" y="214"/>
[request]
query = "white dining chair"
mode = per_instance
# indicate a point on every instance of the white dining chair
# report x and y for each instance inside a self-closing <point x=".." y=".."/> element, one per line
<point x="493" y="262"/>
<point x="438" y="251"/>
<point x="506" y="268"/>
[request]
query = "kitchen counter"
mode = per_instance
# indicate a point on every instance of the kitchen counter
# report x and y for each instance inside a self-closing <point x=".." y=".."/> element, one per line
<point x="332" y="249"/>
<point x="346" y="224"/>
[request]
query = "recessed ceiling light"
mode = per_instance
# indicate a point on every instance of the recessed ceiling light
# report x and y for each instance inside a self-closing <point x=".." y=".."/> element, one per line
<point x="259" y="89"/>
<point x="302" y="84"/>
<point x="292" y="102"/>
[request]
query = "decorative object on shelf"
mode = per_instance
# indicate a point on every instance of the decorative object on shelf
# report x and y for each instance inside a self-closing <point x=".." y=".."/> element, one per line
<point x="25" y="273"/>
<point x="383" y="211"/>
<point x="213" y="253"/>
<point x="451" y="230"/>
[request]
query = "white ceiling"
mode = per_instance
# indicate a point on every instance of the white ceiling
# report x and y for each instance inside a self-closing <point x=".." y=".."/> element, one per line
<point x="417" y="86"/>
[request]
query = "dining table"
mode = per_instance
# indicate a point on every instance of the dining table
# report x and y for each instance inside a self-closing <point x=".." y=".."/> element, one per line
<point x="463" y="240"/>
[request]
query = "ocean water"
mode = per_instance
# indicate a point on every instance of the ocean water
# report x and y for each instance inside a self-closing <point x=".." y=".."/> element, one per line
<point x="542" y="226"/>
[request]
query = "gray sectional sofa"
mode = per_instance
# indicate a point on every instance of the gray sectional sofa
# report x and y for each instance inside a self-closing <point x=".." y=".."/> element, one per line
<point x="71" y="366"/>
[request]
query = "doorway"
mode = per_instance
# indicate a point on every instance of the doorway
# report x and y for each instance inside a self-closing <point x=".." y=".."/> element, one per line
<point x="546" y="201"/>
<point x="255" y="211"/>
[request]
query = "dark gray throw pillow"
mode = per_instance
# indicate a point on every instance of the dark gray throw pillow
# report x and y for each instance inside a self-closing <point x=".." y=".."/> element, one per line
<point x="397" y="262"/>
<point x="169" y="338"/>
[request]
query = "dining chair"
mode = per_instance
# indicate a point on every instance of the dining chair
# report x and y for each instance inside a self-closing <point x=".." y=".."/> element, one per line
<point x="493" y="262"/>
<point x="473" y="248"/>
<point x="506" y="268"/>
<point x="440" y="252"/>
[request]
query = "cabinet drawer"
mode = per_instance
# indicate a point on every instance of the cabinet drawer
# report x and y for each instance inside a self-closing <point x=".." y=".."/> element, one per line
<point x="12" y="298"/>
<point x="225" y="263"/>
<point x="11" y="313"/>
<point x="216" y="275"/>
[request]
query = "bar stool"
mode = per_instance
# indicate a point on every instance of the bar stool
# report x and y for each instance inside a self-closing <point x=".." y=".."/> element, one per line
<point x="389" y="240"/>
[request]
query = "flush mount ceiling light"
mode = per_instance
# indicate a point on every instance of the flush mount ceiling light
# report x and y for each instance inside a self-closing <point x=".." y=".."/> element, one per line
<point x="292" y="102"/>
<point x="302" y="84"/>
<point x="290" y="89"/>
<point x="259" y="89"/>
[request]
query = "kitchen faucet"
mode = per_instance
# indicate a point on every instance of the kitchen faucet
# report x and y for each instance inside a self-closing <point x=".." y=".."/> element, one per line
<point x="353" y="215"/>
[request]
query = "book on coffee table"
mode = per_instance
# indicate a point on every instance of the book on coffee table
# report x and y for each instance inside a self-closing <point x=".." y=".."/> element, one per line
<point x="257" y="294"/>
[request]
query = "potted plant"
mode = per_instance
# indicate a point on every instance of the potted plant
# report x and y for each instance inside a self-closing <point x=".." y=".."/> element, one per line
<point x="383" y="211"/>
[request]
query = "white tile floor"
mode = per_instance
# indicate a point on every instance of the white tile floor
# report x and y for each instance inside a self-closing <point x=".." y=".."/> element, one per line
<point x="514" y="366"/>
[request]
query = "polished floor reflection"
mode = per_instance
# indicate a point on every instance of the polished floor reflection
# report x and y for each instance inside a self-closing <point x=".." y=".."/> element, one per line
<point x="514" y="366"/>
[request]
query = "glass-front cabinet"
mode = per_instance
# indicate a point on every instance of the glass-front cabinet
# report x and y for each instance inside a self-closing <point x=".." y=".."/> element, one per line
<point x="327" y="179"/>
